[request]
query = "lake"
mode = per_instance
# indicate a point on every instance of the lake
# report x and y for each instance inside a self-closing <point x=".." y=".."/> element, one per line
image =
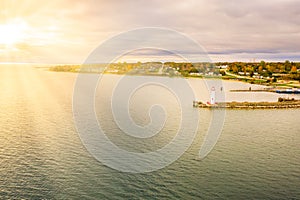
<point x="257" y="155"/>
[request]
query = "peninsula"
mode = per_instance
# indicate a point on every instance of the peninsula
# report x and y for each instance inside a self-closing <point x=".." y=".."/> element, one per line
<point x="278" y="74"/>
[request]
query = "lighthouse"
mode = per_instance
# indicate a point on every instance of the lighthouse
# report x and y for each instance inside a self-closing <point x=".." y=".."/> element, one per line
<point x="212" y="96"/>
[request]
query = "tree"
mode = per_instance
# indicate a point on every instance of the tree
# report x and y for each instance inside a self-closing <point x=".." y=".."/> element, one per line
<point x="251" y="73"/>
<point x="193" y="70"/>
<point x="282" y="69"/>
<point x="260" y="69"/>
<point x="287" y="65"/>
<point x="263" y="64"/>
<point x="222" y="72"/>
<point x="235" y="69"/>
<point x="294" y="70"/>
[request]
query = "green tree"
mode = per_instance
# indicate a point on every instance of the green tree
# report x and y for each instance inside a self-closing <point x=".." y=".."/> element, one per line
<point x="287" y="65"/>
<point x="263" y="64"/>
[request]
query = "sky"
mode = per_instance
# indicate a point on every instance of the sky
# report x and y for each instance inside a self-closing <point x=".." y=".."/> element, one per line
<point x="67" y="31"/>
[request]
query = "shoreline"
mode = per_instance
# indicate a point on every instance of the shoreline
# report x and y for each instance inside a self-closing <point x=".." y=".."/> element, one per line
<point x="223" y="78"/>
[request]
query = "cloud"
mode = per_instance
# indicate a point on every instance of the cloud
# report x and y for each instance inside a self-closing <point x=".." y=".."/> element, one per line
<point x="231" y="28"/>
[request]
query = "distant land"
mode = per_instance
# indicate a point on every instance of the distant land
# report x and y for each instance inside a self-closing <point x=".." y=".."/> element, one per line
<point x="279" y="74"/>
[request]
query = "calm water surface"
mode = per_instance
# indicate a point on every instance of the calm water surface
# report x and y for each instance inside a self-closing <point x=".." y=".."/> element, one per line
<point x="41" y="156"/>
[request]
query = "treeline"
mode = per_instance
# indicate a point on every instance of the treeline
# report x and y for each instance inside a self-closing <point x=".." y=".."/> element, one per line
<point x="65" y="68"/>
<point x="284" y="70"/>
<point x="264" y="68"/>
<point x="276" y="70"/>
<point x="192" y="67"/>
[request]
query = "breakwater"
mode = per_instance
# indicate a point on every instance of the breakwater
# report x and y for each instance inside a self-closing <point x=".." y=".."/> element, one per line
<point x="282" y="103"/>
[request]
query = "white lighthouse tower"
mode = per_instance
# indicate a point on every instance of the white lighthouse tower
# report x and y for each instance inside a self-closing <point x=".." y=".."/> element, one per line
<point x="212" y="96"/>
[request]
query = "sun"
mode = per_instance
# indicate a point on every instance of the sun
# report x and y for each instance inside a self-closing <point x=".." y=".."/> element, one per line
<point x="13" y="32"/>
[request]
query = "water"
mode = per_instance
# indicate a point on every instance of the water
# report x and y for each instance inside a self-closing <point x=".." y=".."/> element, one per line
<point x="41" y="156"/>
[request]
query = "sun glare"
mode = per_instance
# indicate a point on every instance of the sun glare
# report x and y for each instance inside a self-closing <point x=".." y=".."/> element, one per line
<point x="13" y="32"/>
